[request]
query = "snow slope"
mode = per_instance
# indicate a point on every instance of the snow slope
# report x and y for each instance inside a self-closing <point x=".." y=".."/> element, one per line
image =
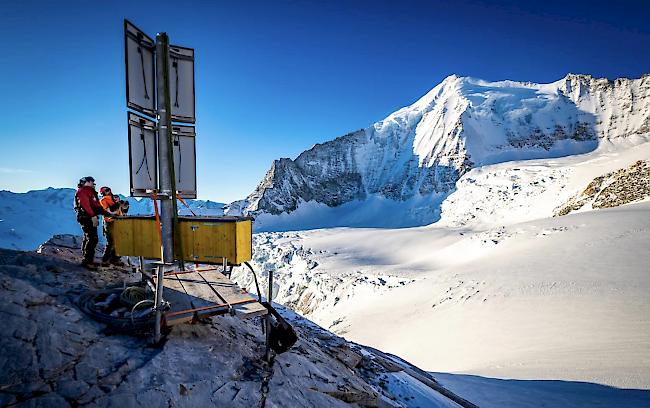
<point x="401" y="168"/>
<point x="498" y="393"/>
<point x="561" y="298"/>
<point x="29" y="219"/>
<point x="524" y="190"/>
<point x="498" y="287"/>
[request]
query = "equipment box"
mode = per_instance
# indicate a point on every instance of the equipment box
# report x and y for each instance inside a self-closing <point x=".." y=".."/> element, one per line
<point x="203" y="239"/>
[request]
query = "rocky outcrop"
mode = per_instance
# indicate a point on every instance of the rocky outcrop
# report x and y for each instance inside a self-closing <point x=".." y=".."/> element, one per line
<point x="53" y="355"/>
<point x="616" y="188"/>
<point x="423" y="149"/>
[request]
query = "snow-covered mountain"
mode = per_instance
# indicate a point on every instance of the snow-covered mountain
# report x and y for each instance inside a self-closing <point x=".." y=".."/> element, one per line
<point x="398" y="171"/>
<point x="29" y="219"/>
<point x="508" y="282"/>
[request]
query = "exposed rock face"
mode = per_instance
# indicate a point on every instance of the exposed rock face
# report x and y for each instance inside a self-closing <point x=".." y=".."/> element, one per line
<point x="423" y="149"/>
<point x="616" y="188"/>
<point x="53" y="355"/>
<point x="66" y="246"/>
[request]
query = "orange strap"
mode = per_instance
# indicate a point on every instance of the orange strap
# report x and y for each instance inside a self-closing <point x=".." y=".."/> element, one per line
<point x="215" y="306"/>
<point x="174" y="273"/>
<point x="155" y="208"/>
<point x="185" y="204"/>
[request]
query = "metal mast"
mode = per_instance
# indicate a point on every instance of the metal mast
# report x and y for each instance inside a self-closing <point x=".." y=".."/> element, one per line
<point x="167" y="190"/>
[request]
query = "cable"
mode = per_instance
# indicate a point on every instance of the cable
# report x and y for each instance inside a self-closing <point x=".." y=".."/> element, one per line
<point x="144" y="78"/>
<point x="87" y="303"/>
<point x="175" y="65"/>
<point x="133" y="295"/>
<point x="144" y="158"/>
<point x="138" y="304"/>
<point x="257" y="286"/>
<point x="177" y="142"/>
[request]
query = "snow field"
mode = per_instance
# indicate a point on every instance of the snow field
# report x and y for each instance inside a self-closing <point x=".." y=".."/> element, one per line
<point x="496" y="288"/>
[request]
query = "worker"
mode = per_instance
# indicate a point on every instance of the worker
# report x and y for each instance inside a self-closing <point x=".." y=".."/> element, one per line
<point x="88" y="208"/>
<point x="114" y="205"/>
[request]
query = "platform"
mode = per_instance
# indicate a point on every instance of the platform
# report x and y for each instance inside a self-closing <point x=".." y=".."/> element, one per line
<point x="204" y="293"/>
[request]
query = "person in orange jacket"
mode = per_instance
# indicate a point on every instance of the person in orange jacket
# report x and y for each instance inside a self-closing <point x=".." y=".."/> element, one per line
<point x="113" y="205"/>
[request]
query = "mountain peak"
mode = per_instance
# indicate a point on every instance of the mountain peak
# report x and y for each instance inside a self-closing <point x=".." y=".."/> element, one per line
<point x="580" y="77"/>
<point x="416" y="154"/>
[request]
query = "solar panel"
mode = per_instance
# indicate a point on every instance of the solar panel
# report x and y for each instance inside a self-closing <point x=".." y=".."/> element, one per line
<point x="140" y="70"/>
<point x="143" y="155"/>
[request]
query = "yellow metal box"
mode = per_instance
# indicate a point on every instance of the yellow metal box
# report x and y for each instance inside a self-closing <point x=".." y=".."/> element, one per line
<point x="203" y="239"/>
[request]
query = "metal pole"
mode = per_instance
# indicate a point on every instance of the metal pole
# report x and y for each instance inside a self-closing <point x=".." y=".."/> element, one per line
<point x="165" y="166"/>
<point x="158" y="300"/>
<point x="164" y="152"/>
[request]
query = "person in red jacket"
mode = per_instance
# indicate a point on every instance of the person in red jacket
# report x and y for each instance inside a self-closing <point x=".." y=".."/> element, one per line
<point x="88" y="208"/>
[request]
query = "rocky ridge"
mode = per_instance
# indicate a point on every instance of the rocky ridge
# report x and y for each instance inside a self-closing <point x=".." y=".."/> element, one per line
<point x="53" y="355"/>
<point x="615" y="188"/>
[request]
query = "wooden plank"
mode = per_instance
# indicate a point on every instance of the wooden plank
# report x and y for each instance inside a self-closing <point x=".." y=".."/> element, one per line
<point x="243" y="311"/>
<point x="173" y="291"/>
<point x="193" y="293"/>
<point x="199" y="292"/>
<point x="249" y="310"/>
<point x="179" y="301"/>
<point x="226" y="288"/>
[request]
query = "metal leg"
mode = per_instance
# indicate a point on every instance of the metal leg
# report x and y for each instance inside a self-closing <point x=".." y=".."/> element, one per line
<point x="158" y="305"/>
<point x="267" y="328"/>
<point x="143" y="274"/>
<point x="270" y="295"/>
<point x="268" y="318"/>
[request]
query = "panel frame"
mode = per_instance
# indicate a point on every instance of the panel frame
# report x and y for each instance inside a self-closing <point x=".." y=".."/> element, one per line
<point x="185" y="131"/>
<point x="137" y="192"/>
<point x="183" y="54"/>
<point x="152" y="46"/>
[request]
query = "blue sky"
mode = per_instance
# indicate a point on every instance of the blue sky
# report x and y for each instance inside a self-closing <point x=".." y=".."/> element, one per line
<point x="275" y="77"/>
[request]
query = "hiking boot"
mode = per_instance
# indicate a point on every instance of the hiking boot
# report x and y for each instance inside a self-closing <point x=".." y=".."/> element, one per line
<point x="117" y="262"/>
<point x="89" y="265"/>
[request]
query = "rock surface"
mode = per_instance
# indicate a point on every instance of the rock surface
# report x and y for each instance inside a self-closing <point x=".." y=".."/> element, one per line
<point x="616" y="188"/>
<point x="53" y="355"/>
